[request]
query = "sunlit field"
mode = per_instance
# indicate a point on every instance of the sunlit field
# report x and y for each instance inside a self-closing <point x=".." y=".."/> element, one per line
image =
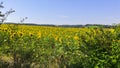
<point x="27" y="46"/>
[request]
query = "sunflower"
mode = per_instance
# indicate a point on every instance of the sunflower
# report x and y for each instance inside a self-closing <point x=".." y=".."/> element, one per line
<point x="30" y="34"/>
<point x="76" y="37"/>
<point x="12" y="36"/>
<point x="39" y="34"/>
<point x="20" y="34"/>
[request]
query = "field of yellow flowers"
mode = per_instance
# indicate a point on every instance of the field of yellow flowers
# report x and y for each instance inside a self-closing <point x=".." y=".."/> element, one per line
<point x="26" y="46"/>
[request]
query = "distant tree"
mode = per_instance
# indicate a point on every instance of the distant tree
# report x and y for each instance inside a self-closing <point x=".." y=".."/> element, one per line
<point x="7" y="14"/>
<point x="1" y="6"/>
<point x="3" y="17"/>
<point x="21" y="21"/>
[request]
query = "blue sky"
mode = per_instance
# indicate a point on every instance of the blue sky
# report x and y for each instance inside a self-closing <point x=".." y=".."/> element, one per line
<point x="64" y="11"/>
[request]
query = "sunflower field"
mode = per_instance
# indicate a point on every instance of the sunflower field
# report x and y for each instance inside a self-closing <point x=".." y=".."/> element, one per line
<point x="27" y="46"/>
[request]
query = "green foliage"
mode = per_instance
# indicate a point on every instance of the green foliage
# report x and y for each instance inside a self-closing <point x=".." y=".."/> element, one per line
<point x="93" y="48"/>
